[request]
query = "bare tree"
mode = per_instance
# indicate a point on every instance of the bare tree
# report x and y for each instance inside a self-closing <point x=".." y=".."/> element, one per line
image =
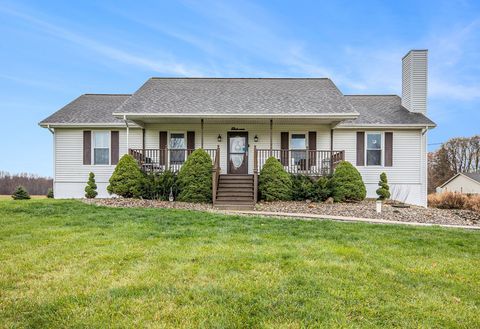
<point x="34" y="184"/>
<point x="460" y="154"/>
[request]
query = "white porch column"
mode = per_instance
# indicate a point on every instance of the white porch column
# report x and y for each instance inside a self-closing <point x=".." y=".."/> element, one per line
<point x="201" y="138"/>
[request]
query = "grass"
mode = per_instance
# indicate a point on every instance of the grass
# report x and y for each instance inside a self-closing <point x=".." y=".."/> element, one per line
<point x="67" y="264"/>
<point x="9" y="197"/>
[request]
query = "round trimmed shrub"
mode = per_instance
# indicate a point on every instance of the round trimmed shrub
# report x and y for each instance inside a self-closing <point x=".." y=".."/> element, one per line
<point x="127" y="178"/>
<point x="347" y="183"/>
<point x="195" y="178"/>
<point x="20" y="193"/>
<point x="274" y="183"/>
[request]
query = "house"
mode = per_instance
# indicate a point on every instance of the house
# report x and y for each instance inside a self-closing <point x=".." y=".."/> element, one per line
<point x="467" y="183"/>
<point x="306" y="123"/>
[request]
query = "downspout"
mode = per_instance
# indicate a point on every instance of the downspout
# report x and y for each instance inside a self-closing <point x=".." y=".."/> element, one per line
<point x="425" y="168"/>
<point x="201" y="126"/>
<point x="54" y="158"/>
<point x="128" y="133"/>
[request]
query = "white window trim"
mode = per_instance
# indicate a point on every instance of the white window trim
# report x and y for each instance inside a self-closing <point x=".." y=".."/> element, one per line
<point x="109" y="148"/>
<point x="382" y="148"/>
<point x="297" y="133"/>
<point x="169" y="145"/>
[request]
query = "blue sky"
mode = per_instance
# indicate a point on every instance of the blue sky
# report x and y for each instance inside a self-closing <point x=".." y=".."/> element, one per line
<point x="53" y="51"/>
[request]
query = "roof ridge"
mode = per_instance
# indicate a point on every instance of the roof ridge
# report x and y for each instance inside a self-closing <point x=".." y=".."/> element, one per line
<point x="369" y="95"/>
<point x="100" y="94"/>
<point x="237" y="78"/>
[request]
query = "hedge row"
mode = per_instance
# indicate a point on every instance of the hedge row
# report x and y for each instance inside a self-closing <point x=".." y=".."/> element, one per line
<point x="345" y="184"/>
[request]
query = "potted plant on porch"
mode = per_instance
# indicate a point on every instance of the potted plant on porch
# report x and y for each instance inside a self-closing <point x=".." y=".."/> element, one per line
<point x="383" y="191"/>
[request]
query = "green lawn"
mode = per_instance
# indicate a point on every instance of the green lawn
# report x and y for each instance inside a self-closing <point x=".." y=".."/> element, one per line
<point x="67" y="264"/>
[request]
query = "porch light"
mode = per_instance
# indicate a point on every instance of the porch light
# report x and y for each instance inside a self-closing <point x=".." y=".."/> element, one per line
<point x="255" y="139"/>
<point x="219" y="138"/>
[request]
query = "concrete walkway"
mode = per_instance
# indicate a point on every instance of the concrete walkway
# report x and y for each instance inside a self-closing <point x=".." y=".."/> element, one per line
<point x="304" y="216"/>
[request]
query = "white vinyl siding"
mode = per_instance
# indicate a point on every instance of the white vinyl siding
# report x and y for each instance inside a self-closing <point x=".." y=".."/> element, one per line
<point x="406" y="177"/>
<point x="462" y="184"/>
<point x="414" y="81"/>
<point x="69" y="165"/>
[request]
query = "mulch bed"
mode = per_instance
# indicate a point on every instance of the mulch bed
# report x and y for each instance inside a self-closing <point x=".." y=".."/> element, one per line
<point x="137" y="203"/>
<point x="364" y="209"/>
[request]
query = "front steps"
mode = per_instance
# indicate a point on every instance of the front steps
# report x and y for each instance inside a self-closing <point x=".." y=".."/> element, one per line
<point x="235" y="192"/>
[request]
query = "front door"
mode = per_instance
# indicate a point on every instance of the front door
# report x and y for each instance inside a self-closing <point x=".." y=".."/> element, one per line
<point x="237" y="152"/>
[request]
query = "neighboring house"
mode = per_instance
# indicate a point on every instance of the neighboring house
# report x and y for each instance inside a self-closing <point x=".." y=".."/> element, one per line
<point x="307" y="124"/>
<point x="467" y="183"/>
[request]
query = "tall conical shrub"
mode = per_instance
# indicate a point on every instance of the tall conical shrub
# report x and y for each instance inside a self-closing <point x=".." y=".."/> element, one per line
<point x="347" y="183"/>
<point x="195" y="178"/>
<point x="274" y="183"/>
<point x="127" y="178"/>
<point x="383" y="191"/>
<point x="91" y="188"/>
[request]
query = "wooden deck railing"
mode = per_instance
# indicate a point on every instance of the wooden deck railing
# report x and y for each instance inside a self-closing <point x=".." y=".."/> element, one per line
<point x="308" y="162"/>
<point x="159" y="160"/>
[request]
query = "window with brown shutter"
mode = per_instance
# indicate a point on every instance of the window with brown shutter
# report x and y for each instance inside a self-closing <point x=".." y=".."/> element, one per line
<point x="360" y="148"/>
<point x="87" y="147"/>
<point x="388" y="149"/>
<point x="284" y="148"/>
<point x="114" y="141"/>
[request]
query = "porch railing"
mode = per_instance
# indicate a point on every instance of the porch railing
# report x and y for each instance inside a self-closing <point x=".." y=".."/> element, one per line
<point x="215" y="174"/>
<point x="159" y="160"/>
<point x="308" y="162"/>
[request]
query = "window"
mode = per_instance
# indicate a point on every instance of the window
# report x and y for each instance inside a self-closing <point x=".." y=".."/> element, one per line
<point x="299" y="146"/>
<point x="177" y="144"/>
<point x="374" y="149"/>
<point x="101" y="147"/>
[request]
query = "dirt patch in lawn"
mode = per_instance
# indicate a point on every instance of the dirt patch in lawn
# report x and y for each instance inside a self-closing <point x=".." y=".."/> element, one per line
<point x="366" y="209"/>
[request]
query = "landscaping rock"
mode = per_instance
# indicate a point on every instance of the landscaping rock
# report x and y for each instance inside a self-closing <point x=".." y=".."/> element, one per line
<point x="366" y="209"/>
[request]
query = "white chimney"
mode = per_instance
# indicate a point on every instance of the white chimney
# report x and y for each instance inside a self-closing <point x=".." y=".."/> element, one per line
<point x="414" y="81"/>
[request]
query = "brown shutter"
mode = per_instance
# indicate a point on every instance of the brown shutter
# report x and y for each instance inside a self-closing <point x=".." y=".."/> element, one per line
<point x="114" y="147"/>
<point x="190" y="142"/>
<point x="360" y="148"/>
<point x="312" y="148"/>
<point x="388" y="149"/>
<point x="163" y="147"/>
<point x="87" y="147"/>
<point x="284" y="148"/>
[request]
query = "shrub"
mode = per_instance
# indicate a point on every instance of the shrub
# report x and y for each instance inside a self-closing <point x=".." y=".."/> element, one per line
<point x="274" y="183"/>
<point x="157" y="186"/>
<point x="91" y="188"/>
<point x="323" y="188"/>
<point x="303" y="188"/>
<point x="447" y="200"/>
<point x="383" y="191"/>
<point x="127" y="178"/>
<point x="50" y="193"/>
<point x="473" y="203"/>
<point x="347" y="183"/>
<point x="195" y="178"/>
<point x="20" y="193"/>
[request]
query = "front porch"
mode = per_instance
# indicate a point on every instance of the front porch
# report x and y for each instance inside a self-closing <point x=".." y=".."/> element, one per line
<point x="237" y="145"/>
<point x="240" y="191"/>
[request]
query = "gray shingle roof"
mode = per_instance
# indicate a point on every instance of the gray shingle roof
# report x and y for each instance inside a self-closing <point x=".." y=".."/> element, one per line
<point x="383" y="110"/>
<point x="89" y="108"/>
<point x="237" y="96"/>
<point x="474" y="176"/>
